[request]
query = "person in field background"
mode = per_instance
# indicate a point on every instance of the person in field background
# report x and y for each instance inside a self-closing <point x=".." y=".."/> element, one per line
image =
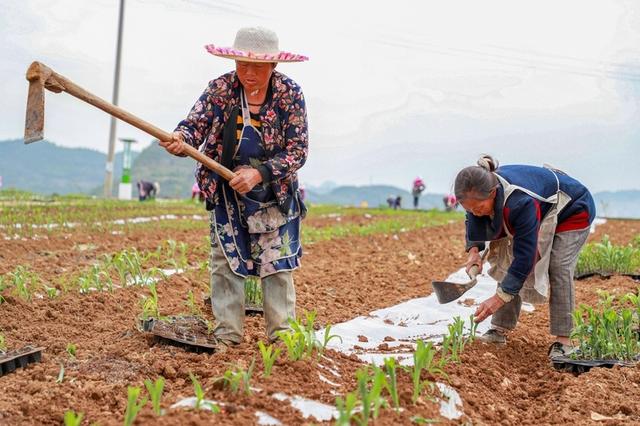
<point x="417" y="188"/>
<point x="536" y="220"/>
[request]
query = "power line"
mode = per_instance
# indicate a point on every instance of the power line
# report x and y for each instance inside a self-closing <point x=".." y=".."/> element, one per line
<point x="510" y="60"/>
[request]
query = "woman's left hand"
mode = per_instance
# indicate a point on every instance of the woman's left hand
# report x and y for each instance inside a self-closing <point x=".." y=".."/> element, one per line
<point x="246" y="179"/>
<point x="488" y="307"/>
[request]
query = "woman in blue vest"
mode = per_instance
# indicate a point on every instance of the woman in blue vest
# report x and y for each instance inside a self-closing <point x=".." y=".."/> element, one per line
<point x="536" y="220"/>
<point x="252" y="120"/>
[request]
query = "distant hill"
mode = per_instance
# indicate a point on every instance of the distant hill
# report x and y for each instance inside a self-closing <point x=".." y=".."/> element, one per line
<point x="373" y="195"/>
<point x="46" y="168"/>
<point x="623" y="204"/>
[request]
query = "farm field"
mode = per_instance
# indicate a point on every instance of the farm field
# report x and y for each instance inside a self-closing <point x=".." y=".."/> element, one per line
<point x="75" y="303"/>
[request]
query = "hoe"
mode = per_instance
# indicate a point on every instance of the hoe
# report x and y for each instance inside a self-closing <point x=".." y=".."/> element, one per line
<point x="42" y="77"/>
<point x="448" y="292"/>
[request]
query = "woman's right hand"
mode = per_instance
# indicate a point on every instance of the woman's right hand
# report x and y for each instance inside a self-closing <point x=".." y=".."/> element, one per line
<point x="474" y="259"/>
<point x="176" y="145"/>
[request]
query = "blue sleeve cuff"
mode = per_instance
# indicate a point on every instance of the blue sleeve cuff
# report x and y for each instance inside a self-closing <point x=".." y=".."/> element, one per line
<point x="471" y="244"/>
<point x="511" y="284"/>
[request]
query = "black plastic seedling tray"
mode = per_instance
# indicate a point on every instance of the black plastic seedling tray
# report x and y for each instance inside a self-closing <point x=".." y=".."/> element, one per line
<point x="249" y="309"/>
<point x="19" y="358"/>
<point x="188" y="332"/>
<point x="584" y="275"/>
<point x="579" y="366"/>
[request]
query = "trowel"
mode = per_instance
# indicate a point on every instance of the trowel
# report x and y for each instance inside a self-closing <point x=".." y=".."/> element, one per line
<point x="447" y="291"/>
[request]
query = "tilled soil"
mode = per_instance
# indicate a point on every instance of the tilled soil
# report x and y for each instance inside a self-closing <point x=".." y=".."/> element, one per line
<point x="341" y="279"/>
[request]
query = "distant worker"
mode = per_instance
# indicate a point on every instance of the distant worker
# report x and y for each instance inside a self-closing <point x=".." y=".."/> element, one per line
<point x="195" y="192"/>
<point x="536" y="220"/>
<point x="391" y="201"/>
<point x="147" y="190"/>
<point x="416" y="190"/>
<point x="450" y="202"/>
<point x="398" y="202"/>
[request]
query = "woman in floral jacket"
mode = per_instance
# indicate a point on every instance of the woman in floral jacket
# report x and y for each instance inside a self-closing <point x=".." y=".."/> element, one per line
<point x="252" y="120"/>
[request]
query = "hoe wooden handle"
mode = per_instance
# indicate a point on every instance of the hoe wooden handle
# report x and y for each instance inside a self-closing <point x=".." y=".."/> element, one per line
<point x="58" y="83"/>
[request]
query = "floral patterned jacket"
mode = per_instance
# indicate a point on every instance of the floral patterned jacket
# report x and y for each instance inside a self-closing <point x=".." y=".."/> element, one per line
<point x="284" y="130"/>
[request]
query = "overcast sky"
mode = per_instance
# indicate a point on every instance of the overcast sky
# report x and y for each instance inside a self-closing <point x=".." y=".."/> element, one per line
<point x="394" y="89"/>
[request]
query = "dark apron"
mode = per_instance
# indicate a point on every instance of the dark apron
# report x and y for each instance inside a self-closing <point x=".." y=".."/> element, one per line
<point x="255" y="236"/>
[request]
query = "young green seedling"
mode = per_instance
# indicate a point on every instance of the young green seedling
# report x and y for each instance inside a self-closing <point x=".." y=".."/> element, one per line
<point x="392" y="381"/>
<point x="73" y="419"/>
<point x="269" y="356"/>
<point x="423" y="359"/>
<point x="236" y="378"/>
<point x="200" y="396"/>
<point x="133" y="405"/>
<point x="71" y="350"/>
<point x="155" y="393"/>
<point x="345" y="409"/>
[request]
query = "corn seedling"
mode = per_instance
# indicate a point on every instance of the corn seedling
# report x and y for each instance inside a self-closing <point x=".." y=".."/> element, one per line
<point x="73" y="419"/>
<point x="252" y="291"/>
<point x="71" y="350"/>
<point x="390" y="368"/>
<point x="301" y="340"/>
<point x="370" y="396"/>
<point x="150" y="307"/>
<point x="238" y="379"/>
<point x="3" y="286"/>
<point x="294" y="342"/>
<point x="327" y="337"/>
<point x="96" y="279"/>
<point x="423" y="359"/>
<point x="473" y="328"/>
<point x="3" y="344"/>
<point x="453" y="343"/>
<point x="192" y="305"/>
<point x="607" y="332"/>
<point x="133" y="405"/>
<point x="199" y="393"/>
<point x="269" y="356"/>
<point x="24" y="282"/>
<point x="346" y="409"/>
<point x="52" y="292"/>
<point x="155" y="393"/>
<point x="176" y="254"/>
<point x="604" y="257"/>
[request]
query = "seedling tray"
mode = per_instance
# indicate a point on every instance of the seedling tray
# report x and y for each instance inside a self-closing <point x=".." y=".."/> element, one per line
<point x="602" y="274"/>
<point x="249" y="308"/>
<point x="189" y="332"/>
<point x="579" y="366"/>
<point x="19" y="359"/>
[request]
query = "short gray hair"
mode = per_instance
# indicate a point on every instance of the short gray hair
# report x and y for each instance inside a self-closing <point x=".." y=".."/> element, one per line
<point x="477" y="182"/>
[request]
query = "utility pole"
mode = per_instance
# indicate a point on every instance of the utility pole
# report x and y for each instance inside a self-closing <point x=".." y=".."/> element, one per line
<point x="108" y="176"/>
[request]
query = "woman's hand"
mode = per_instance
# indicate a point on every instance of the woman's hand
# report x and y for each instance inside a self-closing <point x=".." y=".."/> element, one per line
<point x="176" y="145"/>
<point x="474" y="259"/>
<point x="488" y="307"/>
<point x="246" y="179"/>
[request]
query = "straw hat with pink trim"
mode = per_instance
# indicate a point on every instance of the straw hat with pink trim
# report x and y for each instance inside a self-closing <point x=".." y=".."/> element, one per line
<point x="255" y="44"/>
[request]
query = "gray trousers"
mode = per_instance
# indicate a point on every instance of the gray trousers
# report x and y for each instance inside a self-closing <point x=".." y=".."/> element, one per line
<point x="227" y="299"/>
<point x="564" y="256"/>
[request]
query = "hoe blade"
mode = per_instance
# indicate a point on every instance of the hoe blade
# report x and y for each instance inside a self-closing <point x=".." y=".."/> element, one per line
<point x="34" y="120"/>
<point x="448" y="292"/>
